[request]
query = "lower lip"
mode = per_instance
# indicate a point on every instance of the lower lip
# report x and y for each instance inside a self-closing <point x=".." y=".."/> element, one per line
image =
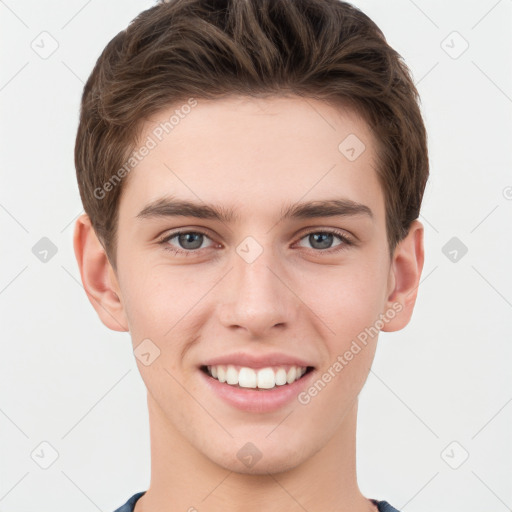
<point x="259" y="401"/>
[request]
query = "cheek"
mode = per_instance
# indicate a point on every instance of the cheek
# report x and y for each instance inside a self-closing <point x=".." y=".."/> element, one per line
<point x="167" y="306"/>
<point x="155" y="297"/>
<point x="349" y="306"/>
<point x="152" y="304"/>
<point x="348" y="300"/>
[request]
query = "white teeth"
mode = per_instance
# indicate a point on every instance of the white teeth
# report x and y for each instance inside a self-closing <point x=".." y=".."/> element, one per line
<point x="247" y="378"/>
<point x="266" y="378"/>
<point x="263" y="378"/>
<point x="280" y="377"/>
<point x="231" y="375"/>
<point x="291" y="375"/>
<point x="221" y="373"/>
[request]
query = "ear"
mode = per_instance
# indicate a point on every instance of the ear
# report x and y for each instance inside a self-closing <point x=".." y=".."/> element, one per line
<point x="404" y="278"/>
<point x="98" y="276"/>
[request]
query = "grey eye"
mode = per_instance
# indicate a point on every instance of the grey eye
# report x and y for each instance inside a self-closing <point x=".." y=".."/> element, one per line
<point x="190" y="240"/>
<point x="321" y="240"/>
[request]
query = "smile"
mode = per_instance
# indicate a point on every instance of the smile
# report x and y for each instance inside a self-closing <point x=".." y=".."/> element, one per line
<point x="256" y="378"/>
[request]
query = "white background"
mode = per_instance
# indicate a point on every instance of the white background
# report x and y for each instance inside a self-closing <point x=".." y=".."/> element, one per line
<point x="69" y="381"/>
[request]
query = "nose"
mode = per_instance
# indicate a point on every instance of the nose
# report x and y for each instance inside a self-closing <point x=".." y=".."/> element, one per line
<point x="256" y="295"/>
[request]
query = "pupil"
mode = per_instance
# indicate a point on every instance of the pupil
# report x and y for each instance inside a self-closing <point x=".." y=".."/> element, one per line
<point x="184" y="239"/>
<point x="323" y="245"/>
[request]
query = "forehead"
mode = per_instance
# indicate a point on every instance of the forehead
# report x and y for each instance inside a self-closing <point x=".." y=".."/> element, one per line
<point x="250" y="153"/>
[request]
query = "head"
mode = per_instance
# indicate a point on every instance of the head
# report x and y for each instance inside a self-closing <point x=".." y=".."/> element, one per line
<point x="252" y="109"/>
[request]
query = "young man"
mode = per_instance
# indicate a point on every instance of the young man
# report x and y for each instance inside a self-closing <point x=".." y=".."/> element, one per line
<point x="252" y="173"/>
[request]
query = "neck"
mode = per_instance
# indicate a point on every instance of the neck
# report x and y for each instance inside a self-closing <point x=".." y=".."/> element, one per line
<point x="182" y="478"/>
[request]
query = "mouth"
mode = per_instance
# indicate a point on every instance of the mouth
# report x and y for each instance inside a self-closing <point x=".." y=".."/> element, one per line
<point x="261" y="379"/>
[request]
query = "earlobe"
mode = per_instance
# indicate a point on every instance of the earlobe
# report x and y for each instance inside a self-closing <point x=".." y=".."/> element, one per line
<point x="97" y="275"/>
<point x="405" y="273"/>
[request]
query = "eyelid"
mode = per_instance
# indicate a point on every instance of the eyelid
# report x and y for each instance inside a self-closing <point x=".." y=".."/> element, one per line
<point x="346" y="240"/>
<point x="343" y="233"/>
<point x="162" y="239"/>
<point x="170" y="233"/>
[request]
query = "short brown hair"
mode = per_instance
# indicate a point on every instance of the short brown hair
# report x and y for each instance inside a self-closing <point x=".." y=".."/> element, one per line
<point x="182" y="49"/>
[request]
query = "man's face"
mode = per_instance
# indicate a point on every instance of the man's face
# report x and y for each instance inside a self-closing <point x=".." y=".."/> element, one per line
<point x="261" y="289"/>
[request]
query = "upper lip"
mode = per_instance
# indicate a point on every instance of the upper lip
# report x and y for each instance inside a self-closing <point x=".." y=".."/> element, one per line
<point x="257" y="361"/>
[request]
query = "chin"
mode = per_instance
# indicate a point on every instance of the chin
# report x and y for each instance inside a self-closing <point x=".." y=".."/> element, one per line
<point x="249" y="460"/>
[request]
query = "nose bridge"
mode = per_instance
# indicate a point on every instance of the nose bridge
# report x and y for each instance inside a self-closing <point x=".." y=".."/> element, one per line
<point x="257" y="298"/>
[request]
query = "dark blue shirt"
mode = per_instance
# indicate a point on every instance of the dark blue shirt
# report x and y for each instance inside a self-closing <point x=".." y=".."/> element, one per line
<point x="384" y="506"/>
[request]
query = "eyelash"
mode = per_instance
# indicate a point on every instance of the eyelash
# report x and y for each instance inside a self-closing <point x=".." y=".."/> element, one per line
<point x="341" y="247"/>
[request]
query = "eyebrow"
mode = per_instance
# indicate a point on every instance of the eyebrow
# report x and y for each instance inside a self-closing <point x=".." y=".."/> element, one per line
<point x="171" y="207"/>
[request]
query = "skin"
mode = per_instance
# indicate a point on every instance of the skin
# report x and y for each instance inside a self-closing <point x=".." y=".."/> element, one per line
<point x="256" y="156"/>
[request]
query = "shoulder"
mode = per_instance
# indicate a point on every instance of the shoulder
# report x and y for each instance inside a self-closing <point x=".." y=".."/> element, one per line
<point x="130" y="504"/>
<point x="384" y="506"/>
